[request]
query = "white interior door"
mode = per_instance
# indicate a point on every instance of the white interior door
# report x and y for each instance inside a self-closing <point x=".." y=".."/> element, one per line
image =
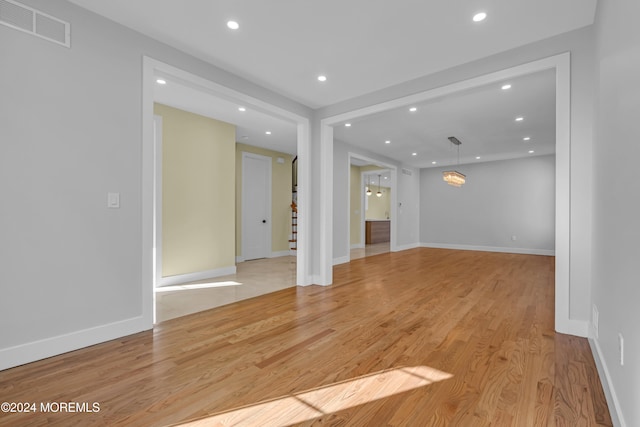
<point x="256" y="206"/>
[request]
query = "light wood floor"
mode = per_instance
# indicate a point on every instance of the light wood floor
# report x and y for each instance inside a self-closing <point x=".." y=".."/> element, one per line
<point x="425" y="337"/>
<point x="253" y="278"/>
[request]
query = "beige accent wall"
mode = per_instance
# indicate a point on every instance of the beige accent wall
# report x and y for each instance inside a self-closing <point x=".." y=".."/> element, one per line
<point x="355" y="194"/>
<point x="198" y="192"/>
<point x="281" y="197"/>
<point x="379" y="207"/>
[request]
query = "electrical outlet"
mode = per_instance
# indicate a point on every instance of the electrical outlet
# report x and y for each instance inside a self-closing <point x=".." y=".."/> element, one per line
<point x="621" y="345"/>
<point x="594" y="320"/>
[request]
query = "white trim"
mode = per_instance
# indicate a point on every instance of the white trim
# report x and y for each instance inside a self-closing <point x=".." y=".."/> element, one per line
<point x="357" y="246"/>
<point x="400" y="248"/>
<point x="326" y="205"/>
<point x="578" y="328"/>
<point x="341" y="260"/>
<point x="48" y="347"/>
<point x="563" y="319"/>
<point x="562" y="64"/>
<point x="529" y="251"/>
<point x="268" y="188"/>
<point x="315" y="279"/>
<point x="148" y="219"/>
<point x="617" y="416"/>
<point x="179" y="279"/>
<point x="279" y="254"/>
<point x="303" y="241"/>
<point x="157" y="191"/>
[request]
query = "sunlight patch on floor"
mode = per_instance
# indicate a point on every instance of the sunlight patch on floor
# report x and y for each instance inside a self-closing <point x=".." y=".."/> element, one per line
<point x="325" y="400"/>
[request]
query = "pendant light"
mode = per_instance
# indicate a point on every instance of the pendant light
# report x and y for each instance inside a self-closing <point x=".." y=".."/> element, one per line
<point x="369" y="192"/>
<point x="454" y="177"/>
<point x="379" y="193"/>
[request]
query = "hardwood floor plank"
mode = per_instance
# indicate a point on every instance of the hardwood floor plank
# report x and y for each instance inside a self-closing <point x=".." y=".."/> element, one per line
<point x="424" y="337"/>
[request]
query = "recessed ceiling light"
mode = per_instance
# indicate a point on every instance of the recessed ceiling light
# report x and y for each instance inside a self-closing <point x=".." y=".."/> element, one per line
<point x="413" y="109"/>
<point x="268" y="132"/>
<point x="387" y="142"/>
<point x="233" y="25"/>
<point x="434" y="162"/>
<point x="519" y="119"/>
<point x="161" y="81"/>
<point x="505" y="87"/>
<point x="526" y="138"/>
<point x="347" y="125"/>
<point x="386" y="177"/>
<point x="477" y="157"/>
<point x="480" y="16"/>
<point x="242" y="109"/>
<point x="531" y="151"/>
<point x="322" y="78"/>
<point x="414" y="154"/>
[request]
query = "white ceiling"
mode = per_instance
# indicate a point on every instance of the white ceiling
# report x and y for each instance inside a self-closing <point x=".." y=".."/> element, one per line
<point x="483" y="119"/>
<point x="363" y="46"/>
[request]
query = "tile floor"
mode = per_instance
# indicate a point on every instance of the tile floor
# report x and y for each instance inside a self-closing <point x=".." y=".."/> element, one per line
<point x="253" y="278"/>
<point x="370" y="250"/>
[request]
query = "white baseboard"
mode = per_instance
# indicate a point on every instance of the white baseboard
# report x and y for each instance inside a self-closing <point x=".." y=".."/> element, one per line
<point x="358" y="246"/>
<point x="341" y="260"/>
<point x="315" y="279"/>
<point x="528" y="251"/>
<point x="607" y="385"/>
<point x="48" y="347"/>
<point x="200" y="275"/>
<point x="406" y="247"/>
<point x="279" y="254"/>
<point x="578" y="328"/>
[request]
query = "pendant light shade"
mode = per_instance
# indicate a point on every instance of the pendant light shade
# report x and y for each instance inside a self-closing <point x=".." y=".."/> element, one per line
<point x="454" y="177"/>
<point x="379" y="193"/>
<point x="368" y="192"/>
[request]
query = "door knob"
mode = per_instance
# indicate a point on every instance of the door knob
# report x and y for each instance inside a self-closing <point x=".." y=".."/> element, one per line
<point x="264" y="221"/>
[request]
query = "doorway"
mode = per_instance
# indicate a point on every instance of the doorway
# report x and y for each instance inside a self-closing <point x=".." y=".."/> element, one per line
<point x="561" y="65"/>
<point x="153" y="68"/>
<point x="372" y="225"/>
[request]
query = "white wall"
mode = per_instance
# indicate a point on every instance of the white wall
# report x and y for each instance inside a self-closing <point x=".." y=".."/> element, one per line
<point x="580" y="44"/>
<point x="70" y="131"/>
<point x="616" y="230"/>
<point x="500" y="199"/>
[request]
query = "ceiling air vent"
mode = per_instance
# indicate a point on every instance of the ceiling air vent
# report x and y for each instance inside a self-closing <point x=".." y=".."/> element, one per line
<point x="32" y="21"/>
<point x="406" y="171"/>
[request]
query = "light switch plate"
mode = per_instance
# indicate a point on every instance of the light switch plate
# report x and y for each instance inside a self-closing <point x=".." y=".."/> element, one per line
<point x="113" y="200"/>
